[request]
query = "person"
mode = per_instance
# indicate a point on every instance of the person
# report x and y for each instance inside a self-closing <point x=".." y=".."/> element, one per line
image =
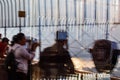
<point x="55" y="60"/>
<point x="22" y="56"/>
<point x="3" y="47"/>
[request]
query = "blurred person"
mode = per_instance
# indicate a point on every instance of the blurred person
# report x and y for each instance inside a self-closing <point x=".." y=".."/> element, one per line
<point x="3" y="47"/>
<point x="56" y="60"/>
<point x="22" y="56"/>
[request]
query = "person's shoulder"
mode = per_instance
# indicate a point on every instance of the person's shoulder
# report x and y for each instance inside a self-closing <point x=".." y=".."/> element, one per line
<point x="47" y="49"/>
<point x="16" y="46"/>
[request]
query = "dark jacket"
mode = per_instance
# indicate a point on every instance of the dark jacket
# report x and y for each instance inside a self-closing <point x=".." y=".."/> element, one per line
<point x="56" y="59"/>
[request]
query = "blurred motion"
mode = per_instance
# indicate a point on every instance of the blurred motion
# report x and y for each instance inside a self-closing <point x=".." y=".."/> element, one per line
<point x="3" y="47"/>
<point x="55" y="60"/>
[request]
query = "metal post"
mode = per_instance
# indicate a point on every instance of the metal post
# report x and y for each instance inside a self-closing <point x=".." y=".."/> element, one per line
<point x="12" y="12"/>
<point x="24" y="10"/>
<point x="8" y="12"/>
<point x="52" y="11"/>
<point x="45" y="12"/>
<point x="58" y="3"/>
<point x="95" y="10"/>
<point x="67" y="20"/>
<point x="107" y="20"/>
<point x="29" y="13"/>
<point x="66" y="15"/>
<point x="16" y="13"/>
<point x="85" y="13"/>
<point x="5" y="19"/>
<point x="39" y="26"/>
<point x="75" y="11"/>
<point x="1" y="13"/>
<point x="19" y="20"/>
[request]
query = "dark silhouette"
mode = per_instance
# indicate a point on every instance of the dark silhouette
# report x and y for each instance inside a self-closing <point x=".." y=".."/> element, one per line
<point x="3" y="47"/>
<point x="104" y="55"/>
<point x="55" y="60"/>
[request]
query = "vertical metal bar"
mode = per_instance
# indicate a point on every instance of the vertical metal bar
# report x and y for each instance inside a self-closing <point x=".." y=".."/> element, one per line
<point x="25" y="12"/>
<point x="95" y="3"/>
<point x="39" y="25"/>
<point x="29" y="13"/>
<point x="119" y="11"/>
<point x="85" y="10"/>
<point x="8" y="12"/>
<point x="67" y="29"/>
<point x="107" y="28"/>
<point x="45" y="12"/>
<point x="107" y="20"/>
<point x="79" y="13"/>
<point x="66" y="15"/>
<point x="1" y="13"/>
<point x="52" y="11"/>
<point x="75" y="11"/>
<point x="95" y="17"/>
<point x="79" y="21"/>
<point x="29" y="62"/>
<point x="19" y="19"/>
<point x="5" y="18"/>
<point x="107" y="14"/>
<point x="16" y="14"/>
<point x="12" y="14"/>
<point x="58" y="8"/>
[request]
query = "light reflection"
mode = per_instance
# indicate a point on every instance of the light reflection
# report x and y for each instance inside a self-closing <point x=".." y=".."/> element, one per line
<point x="82" y="65"/>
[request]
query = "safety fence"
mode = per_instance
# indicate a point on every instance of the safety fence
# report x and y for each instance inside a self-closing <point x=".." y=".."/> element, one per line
<point x="84" y="20"/>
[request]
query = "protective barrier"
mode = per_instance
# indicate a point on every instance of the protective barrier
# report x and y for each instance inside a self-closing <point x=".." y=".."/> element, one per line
<point x="84" y="20"/>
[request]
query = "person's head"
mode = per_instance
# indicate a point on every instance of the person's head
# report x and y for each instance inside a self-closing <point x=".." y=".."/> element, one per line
<point x="14" y="40"/>
<point x="61" y="37"/>
<point x="21" y="39"/>
<point x="5" y="40"/>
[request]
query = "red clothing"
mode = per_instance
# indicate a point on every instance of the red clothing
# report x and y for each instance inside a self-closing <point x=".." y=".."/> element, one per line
<point x="2" y="49"/>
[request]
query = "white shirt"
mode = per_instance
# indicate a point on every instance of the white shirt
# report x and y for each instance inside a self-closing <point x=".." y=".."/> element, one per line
<point x="22" y="56"/>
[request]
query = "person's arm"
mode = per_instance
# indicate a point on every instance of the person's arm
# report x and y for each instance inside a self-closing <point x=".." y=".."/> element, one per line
<point x="26" y="54"/>
<point x="30" y="55"/>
